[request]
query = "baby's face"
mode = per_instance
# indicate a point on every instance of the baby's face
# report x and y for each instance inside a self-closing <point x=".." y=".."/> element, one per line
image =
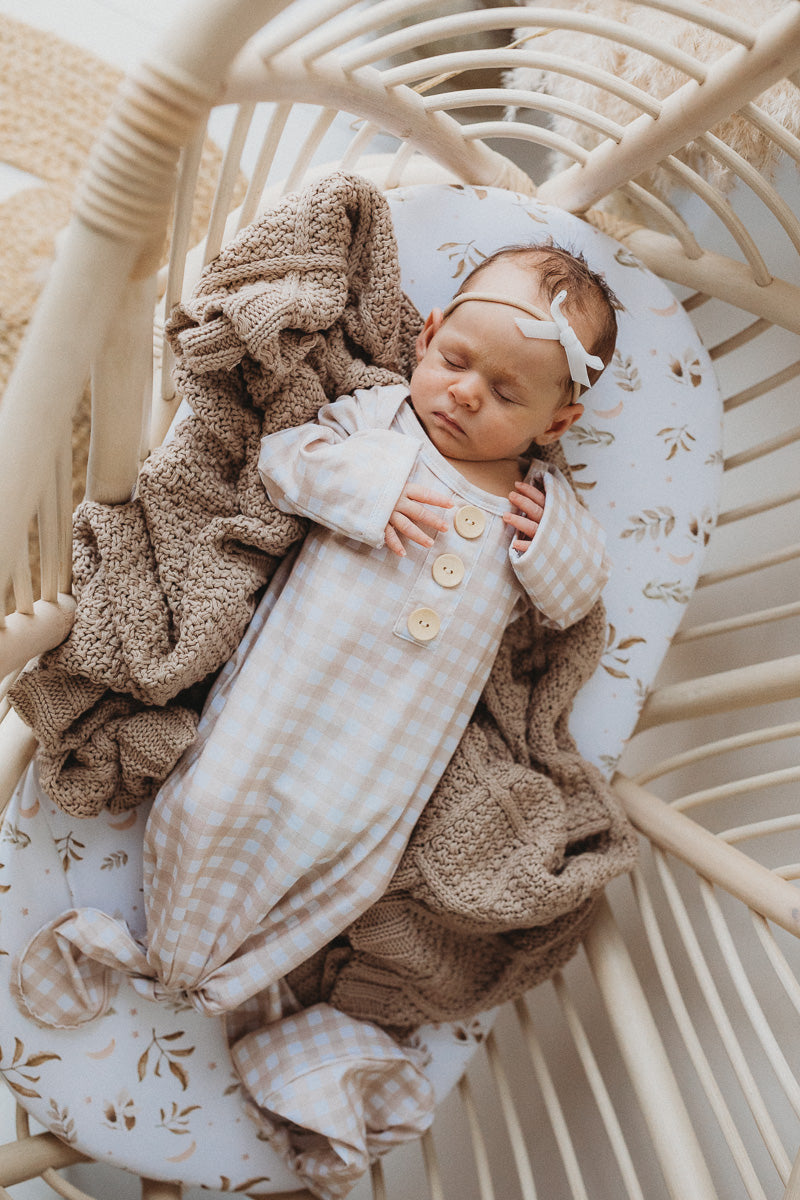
<point x="482" y="390"/>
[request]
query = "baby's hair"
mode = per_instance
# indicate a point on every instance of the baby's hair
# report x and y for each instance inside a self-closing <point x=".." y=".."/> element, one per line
<point x="555" y="268"/>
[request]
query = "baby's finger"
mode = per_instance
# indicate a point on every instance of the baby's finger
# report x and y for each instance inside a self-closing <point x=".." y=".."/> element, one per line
<point x="531" y="490"/>
<point x="522" y="524"/>
<point x="393" y="542"/>
<point x="531" y="501"/>
<point x="427" y="496"/>
<point x="405" y="526"/>
<point x="416" y="511"/>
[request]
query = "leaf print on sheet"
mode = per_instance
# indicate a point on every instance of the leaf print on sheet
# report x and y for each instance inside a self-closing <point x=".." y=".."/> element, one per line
<point x="700" y="528"/>
<point x="584" y="484"/>
<point x="615" y="657"/>
<point x="676" y="439"/>
<point x="652" y="521"/>
<point x="4" y="888"/>
<point x="59" y="1122"/>
<point x="465" y="189"/>
<point x="675" y="590"/>
<point x="469" y="1031"/>
<point x="175" y="1004"/>
<point x="626" y="259"/>
<point x="686" y="370"/>
<point x="177" y="1120"/>
<point x="235" y="1086"/>
<point x="536" y="211"/>
<point x="20" y="1068"/>
<point x="609" y="763"/>
<point x="120" y="1113"/>
<point x="14" y="836"/>
<point x="166" y="1054"/>
<point x="118" y="858"/>
<point x="590" y="435"/>
<point x="625" y="372"/>
<point x="68" y="847"/>
<point x="225" y="1183"/>
<point x="465" y="254"/>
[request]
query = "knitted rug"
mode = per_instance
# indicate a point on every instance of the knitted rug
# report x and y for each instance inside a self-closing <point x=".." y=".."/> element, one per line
<point x="54" y="97"/>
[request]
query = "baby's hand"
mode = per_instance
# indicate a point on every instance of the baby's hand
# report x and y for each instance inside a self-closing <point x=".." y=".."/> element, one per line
<point x="410" y="512"/>
<point x="530" y="501"/>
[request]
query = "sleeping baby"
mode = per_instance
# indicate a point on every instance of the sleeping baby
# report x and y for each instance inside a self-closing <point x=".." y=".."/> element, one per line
<point x="432" y="526"/>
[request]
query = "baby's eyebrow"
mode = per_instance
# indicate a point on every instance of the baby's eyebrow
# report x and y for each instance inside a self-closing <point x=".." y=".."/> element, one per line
<point x="512" y="379"/>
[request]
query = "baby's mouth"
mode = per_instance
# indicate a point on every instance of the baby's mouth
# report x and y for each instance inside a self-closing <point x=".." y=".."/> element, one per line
<point x="448" y="422"/>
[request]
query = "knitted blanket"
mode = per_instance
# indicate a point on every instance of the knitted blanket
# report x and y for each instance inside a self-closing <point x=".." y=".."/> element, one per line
<point x="521" y="835"/>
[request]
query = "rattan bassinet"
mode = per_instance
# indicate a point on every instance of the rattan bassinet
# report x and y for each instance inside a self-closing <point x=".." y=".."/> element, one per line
<point x="663" y="1060"/>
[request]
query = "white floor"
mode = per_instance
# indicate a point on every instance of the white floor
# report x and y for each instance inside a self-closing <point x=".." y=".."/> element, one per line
<point x="120" y="31"/>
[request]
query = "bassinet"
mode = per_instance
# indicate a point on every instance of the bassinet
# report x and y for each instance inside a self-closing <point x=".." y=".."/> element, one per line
<point x="660" y="1062"/>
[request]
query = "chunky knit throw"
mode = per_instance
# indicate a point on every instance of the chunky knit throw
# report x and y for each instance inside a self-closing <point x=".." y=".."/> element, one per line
<point x="498" y="883"/>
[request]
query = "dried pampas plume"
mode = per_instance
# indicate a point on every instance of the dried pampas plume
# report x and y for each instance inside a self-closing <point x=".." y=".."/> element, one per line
<point x="656" y="78"/>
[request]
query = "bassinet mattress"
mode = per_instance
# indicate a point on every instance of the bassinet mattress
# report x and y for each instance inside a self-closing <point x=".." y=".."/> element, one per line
<point x="151" y="1086"/>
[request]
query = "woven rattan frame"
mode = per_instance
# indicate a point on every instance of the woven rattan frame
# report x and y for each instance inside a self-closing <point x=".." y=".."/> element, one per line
<point x="672" y="1038"/>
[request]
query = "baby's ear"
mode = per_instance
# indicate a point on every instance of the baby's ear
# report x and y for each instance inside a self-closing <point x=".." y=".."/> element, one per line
<point x="431" y="327"/>
<point x="563" y="417"/>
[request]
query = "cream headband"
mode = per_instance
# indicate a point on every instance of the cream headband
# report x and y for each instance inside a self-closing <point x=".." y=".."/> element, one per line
<point x="556" y="330"/>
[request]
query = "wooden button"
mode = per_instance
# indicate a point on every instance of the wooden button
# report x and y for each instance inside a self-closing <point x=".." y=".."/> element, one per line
<point x="423" y="624"/>
<point x="448" y="570"/>
<point x="469" y="521"/>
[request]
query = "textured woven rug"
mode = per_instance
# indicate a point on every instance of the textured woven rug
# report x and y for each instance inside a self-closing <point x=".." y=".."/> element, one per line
<point x="54" y="97"/>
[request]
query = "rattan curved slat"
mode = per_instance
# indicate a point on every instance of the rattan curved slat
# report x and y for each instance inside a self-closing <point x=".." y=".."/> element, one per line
<point x="597" y="1085"/>
<point x="722" y="1022"/>
<point x="515" y="98"/>
<point x="722" y="209"/>
<point x="750" y="620"/>
<point x="750" y="566"/>
<point x="426" y="32"/>
<point x="665" y="216"/>
<point x="674" y="1139"/>
<point x="709" y="749"/>
<point x="692" y="1040"/>
<point x="458" y="61"/>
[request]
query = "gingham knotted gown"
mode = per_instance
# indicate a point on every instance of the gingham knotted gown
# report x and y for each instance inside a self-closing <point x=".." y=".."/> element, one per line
<point x="327" y="731"/>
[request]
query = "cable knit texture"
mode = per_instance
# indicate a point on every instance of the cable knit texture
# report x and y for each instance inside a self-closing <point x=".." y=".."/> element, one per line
<point x="498" y="883"/>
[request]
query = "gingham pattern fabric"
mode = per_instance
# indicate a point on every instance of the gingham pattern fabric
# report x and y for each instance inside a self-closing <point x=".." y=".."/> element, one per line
<point x="355" y="1092"/>
<point x="327" y="731"/>
<point x="83" y="945"/>
<point x="567" y="565"/>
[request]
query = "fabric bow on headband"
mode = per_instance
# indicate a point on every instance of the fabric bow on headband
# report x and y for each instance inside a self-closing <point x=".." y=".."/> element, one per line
<point x="557" y="330"/>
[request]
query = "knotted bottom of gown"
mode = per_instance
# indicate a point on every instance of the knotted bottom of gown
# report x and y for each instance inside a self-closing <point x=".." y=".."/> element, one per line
<point x="65" y="975"/>
<point x="332" y="1093"/>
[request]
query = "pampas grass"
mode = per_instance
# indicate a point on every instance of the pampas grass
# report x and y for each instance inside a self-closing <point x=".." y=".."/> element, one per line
<point x="658" y="79"/>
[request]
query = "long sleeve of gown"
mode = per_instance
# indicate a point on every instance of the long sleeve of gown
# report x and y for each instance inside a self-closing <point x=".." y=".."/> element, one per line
<point x="566" y="565"/>
<point x="345" y="470"/>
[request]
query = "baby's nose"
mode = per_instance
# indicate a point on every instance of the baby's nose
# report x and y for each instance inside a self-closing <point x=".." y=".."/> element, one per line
<point x="466" y="390"/>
